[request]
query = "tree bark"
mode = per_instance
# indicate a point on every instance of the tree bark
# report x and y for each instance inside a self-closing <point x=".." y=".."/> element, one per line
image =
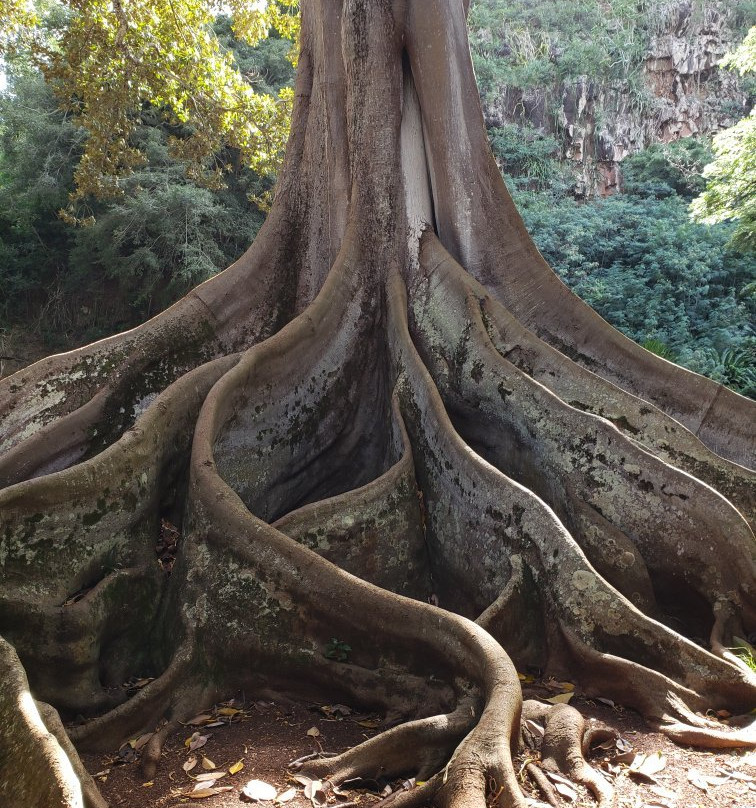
<point x="390" y="399"/>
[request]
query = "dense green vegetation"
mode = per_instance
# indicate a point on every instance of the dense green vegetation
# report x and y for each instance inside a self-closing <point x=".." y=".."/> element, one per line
<point x="668" y="283"/>
<point x="524" y="45"/>
<point x="137" y="251"/>
<point x="730" y="192"/>
<point x="675" y="286"/>
<point x="539" y="42"/>
<point x="680" y="288"/>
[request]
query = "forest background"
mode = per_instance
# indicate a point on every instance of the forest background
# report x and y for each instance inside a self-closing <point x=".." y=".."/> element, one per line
<point x="603" y="117"/>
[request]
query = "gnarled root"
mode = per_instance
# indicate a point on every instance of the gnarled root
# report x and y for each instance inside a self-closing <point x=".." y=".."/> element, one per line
<point x="417" y="748"/>
<point x="566" y="741"/>
<point x="38" y="766"/>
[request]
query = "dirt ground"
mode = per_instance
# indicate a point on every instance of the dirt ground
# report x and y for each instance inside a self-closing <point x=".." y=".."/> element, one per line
<point x="254" y="741"/>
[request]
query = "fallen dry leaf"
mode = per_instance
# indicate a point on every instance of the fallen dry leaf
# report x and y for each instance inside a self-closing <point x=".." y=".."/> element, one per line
<point x="315" y="794"/>
<point x="207" y="792"/>
<point x="708" y="779"/>
<point x="137" y="744"/>
<point x="535" y="729"/>
<point x="258" y="790"/>
<point x="562" y="698"/>
<point x="557" y="778"/>
<point x="370" y="723"/>
<point x="733" y="775"/>
<point x="664" y="793"/>
<point x="228" y="711"/>
<point x="236" y="767"/>
<point x="286" y="796"/>
<point x="199" y="719"/>
<point x="646" y="766"/>
<point x="208" y="764"/>
<point x="190" y="763"/>
<point x="568" y="792"/>
<point x="313" y="732"/>
<point x="216" y="775"/>
<point x="626" y="758"/>
<point x="697" y="779"/>
<point x="197" y="741"/>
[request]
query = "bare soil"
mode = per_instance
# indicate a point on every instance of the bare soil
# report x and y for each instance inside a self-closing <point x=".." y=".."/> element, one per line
<point x="266" y="736"/>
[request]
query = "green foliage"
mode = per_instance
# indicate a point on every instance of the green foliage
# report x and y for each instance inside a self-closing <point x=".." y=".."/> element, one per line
<point x="163" y="237"/>
<point x="338" y="650"/>
<point x="667" y="169"/>
<point x="141" y="251"/>
<point x="539" y="42"/>
<point x="657" y="347"/>
<point x="528" y="158"/>
<point x="267" y="66"/>
<point x="731" y="178"/>
<point x="666" y="282"/>
<point x="110" y="59"/>
<point x="745" y="652"/>
<point x="39" y="149"/>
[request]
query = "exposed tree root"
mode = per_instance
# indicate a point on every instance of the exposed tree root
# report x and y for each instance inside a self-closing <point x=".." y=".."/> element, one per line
<point x="329" y="449"/>
<point x="38" y="765"/>
<point x="708" y="737"/>
<point x="418" y="748"/>
<point x="564" y="745"/>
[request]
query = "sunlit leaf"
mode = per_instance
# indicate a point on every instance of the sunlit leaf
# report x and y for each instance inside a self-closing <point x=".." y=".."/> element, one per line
<point x="205" y="776"/>
<point x="562" y="698"/>
<point x="259" y="790"/>
<point x="697" y="779"/>
<point x="646" y="766"/>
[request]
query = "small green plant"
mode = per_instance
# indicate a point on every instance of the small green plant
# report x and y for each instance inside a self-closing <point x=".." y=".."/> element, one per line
<point x="659" y="348"/>
<point x="745" y="652"/>
<point x="338" y="650"/>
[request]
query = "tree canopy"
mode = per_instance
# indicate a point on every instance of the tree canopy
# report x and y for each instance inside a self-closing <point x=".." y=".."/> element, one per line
<point x="110" y="61"/>
<point x="731" y="178"/>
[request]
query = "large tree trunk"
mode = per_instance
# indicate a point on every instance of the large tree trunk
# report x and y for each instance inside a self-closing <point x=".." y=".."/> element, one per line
<point x="389" y="399"/>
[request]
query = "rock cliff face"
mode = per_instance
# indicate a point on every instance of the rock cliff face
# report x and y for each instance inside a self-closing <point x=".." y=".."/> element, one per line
<point x="675" y="90"/>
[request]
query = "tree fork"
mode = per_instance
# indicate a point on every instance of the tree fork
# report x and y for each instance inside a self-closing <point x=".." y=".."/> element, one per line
<point x="389" y="396"/>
